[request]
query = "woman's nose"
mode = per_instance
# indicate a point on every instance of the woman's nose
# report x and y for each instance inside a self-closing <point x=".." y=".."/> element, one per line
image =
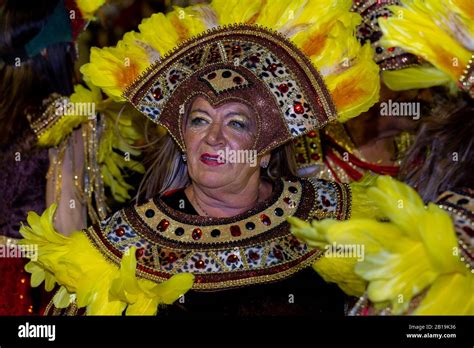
<point x="215" y="135"/>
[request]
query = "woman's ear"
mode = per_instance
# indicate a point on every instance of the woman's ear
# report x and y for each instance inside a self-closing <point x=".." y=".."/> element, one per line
<point x="265" y="160"/>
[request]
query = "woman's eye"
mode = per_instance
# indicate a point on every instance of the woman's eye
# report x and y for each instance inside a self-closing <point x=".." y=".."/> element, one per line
<point x="197" y="121"/>
<point x="237" y="124"/>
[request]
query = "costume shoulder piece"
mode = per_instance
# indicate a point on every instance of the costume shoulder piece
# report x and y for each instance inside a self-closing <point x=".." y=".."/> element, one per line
<point x="253" y="247"/>
<point x="151" y="254"/>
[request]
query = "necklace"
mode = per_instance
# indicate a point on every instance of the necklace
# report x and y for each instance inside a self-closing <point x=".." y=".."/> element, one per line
<point x="206" y="213"/>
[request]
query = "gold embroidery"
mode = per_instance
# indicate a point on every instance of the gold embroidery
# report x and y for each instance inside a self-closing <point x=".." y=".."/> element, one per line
<point x="280" y="254"/>
<point x="225" y="236"/>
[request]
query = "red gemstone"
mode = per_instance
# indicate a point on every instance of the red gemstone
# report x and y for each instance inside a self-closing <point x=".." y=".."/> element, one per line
<point x="312" y="134"/>
<point x="278" y="254"/>
<point x="237" y="80"/>
<point x="157" y="94"/>
<point x="174" y="78"/>
<point x="197" y="233"/>
<point x="295" y="242"/>
<point x="301" y="158"/>
<point x="298" y="107"/>
<point x="139" y="252"/>
<point x="171" y="258"/>
<point x="211" y="76"/>
<point x="468" y="230"/>
<point x="199" y="264"/>
<point x="391" y="49"/>
<point x="287" y="200"/>
<point x="273" y="67"/>
<point x="232" y="258"/>
<point x="283" y="88"/>
<point x="120" y="231"/>
<point x="163" y="225"/>
<point x="326" y="202"/>
<point x="236" y="49"/>
<point x="235" y="231"/>
<point x="314" y="156"/>
<point x="254" y="255"/>
<point x="265" y="220"/>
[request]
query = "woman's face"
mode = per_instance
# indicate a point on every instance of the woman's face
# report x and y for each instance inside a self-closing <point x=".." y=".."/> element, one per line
<point x="209" y="132"/>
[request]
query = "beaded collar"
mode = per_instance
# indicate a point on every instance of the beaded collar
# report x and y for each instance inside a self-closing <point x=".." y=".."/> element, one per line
<point x="250" y="248"/>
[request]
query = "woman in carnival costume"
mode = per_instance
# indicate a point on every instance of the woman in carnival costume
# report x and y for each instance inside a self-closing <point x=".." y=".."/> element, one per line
<point x="225" y="76"/>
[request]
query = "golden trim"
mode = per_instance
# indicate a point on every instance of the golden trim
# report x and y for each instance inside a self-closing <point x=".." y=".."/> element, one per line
<point x="297" y="259"/>
<point x="275" y="38"/>
<point x="225" y="236"/>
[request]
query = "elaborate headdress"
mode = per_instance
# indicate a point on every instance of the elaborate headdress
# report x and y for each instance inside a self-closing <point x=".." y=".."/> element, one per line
<point x="265" y="54"/>
<point x="439" y="31"/>
<point x="388" y="58"/>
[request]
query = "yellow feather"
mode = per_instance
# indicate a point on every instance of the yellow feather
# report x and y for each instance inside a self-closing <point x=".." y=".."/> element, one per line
<point x="307" y="233"/>
<point x="398" y="202"/>
<point x="451" y="294"/>
<point x="85" y="275"/>
<point x="341" y="271"/>
<point x="442" y="247"/>
<point x="115" y="68"/>
<point x="62" y="298"/>
<point x="88" y="7"/>
<point x="413" y="78"/>
<point x="416" y="250"/>
<point x="362" y="206"/>
<point x="276" y="14"/>
<point x="237" y="11"/>
<point x="436" y="30"/>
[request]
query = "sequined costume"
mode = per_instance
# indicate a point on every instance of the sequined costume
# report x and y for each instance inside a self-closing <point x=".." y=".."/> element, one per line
<point x="250" y="250"/>
<point x="150" y="255"/>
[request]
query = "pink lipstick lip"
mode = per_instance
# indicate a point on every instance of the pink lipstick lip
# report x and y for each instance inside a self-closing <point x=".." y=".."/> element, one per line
<point x="211" y="159"/>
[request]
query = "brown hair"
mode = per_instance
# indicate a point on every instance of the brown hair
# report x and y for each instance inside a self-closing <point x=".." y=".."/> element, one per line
<point x="441" y="157"/>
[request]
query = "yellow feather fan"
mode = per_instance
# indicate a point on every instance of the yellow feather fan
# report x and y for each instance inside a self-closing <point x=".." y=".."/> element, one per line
<point x="87" y="278"/>
<point x="322" y="29"/>
<point x="410" y="249"/>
